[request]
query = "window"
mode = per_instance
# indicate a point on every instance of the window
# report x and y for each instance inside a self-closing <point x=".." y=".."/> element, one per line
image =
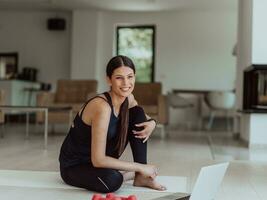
<point x="138" y="43"/>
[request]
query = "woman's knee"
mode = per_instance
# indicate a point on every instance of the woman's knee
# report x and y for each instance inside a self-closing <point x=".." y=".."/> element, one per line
<point x="137" y="114"/>
<point x="111" y="181"/>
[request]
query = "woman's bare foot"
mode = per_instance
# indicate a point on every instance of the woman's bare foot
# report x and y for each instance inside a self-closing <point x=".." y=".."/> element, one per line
<point x="128" y="175"/>
<point x="142" y="181"/>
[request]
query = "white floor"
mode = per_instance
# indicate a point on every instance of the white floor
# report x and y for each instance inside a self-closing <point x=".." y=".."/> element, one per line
<point x="181" y="154"/>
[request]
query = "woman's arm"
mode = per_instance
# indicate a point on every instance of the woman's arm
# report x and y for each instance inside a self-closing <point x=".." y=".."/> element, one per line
<point x="99" y="122"/>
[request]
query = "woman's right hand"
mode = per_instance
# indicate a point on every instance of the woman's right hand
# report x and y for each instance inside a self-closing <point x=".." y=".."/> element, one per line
<point x="149" y="170"/>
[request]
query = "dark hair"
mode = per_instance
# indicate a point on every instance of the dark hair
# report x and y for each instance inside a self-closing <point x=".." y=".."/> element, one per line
<point x="114" y="63"/>
<point x="118" y="61"/>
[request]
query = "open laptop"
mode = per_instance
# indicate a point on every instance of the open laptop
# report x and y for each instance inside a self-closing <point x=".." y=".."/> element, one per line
<point x="206" y="186"/>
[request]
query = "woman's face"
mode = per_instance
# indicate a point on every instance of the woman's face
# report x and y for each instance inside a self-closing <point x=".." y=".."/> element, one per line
<point x="122" y="81"/>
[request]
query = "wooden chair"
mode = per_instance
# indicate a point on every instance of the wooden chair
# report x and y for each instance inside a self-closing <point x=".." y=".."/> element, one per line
<point x="69" y="93"/>
<point x="220" y="101"/>
<point x="150" y="97"/>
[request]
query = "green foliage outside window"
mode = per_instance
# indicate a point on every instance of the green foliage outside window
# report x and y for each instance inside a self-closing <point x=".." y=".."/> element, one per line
<point x="137" y="43"/>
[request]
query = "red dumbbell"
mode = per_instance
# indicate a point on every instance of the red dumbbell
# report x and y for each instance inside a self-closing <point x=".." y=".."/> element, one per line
<point x="132" y="197"/>
<point x="96" y="197"/>
<point x="116" y="198"/>
<point x="110" y="195"/>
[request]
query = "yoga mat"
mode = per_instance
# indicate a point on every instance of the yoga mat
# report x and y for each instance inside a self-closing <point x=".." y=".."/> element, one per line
<point x="45" y="179"/>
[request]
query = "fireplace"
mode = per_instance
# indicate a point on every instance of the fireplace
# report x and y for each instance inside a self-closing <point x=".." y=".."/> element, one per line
<point x="255" y="88"/>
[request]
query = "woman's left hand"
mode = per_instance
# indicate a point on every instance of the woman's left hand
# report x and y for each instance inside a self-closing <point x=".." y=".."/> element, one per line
<point x="149" y="126"/>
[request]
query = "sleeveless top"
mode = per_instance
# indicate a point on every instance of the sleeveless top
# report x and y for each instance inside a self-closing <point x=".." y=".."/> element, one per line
<point x="76" y="148"/>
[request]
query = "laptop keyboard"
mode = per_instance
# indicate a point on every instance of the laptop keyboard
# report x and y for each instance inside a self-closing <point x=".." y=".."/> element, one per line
<point x="175" y="196"/>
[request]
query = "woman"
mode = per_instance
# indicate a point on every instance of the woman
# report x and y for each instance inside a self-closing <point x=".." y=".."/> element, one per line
<point x="100" y="132"/>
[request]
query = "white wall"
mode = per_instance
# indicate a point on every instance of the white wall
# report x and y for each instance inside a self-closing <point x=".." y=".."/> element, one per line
<point x="84" y="44"/>
<point x="193" y="48"/>
<point x="259" y="47"/>
<point x="26" y="33"/>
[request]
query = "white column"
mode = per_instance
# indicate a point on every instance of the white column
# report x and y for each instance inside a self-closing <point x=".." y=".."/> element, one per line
<point x="252" y="49"/>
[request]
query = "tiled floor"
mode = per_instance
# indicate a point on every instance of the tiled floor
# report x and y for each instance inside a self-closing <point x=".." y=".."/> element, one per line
<point x="183" y="153"/>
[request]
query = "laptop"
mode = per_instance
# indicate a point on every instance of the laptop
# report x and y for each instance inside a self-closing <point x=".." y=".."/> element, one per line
<point x="206" y="186"/>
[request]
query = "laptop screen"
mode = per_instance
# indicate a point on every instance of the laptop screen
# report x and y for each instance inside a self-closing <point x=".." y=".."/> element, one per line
<point x="208" y="182"/>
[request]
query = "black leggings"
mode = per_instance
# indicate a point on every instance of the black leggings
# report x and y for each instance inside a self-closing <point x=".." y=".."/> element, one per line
<point x="108" y="180"/>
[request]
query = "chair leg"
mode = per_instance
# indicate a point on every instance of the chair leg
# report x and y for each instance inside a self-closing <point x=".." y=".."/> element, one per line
<point x="228" y="121"/>
<point x="36" y="123"/>
<point x="52" y="128"/>
<point x="200" y="123"/>
<point x="162" y="131"/>
<point x="211" y="119"/>
<point x="2" y="131"/>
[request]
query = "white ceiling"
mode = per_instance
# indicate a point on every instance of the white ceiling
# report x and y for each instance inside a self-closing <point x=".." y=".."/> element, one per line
<point x="119" y="5"/>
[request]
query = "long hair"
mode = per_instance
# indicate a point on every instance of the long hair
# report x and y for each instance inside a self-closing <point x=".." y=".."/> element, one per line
<point x="114" y="63"/>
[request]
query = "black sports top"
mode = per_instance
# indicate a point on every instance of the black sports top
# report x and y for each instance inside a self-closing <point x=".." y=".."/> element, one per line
<point x="76" y="148"/>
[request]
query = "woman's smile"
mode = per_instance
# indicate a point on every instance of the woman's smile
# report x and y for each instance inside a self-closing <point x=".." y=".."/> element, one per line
<point x="125" y="89"/>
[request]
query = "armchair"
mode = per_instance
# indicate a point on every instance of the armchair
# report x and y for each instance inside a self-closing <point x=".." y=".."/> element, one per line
<point x="220" y="101"/>
<point x="71" y="93"/>
<point x="150" y="97"/>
